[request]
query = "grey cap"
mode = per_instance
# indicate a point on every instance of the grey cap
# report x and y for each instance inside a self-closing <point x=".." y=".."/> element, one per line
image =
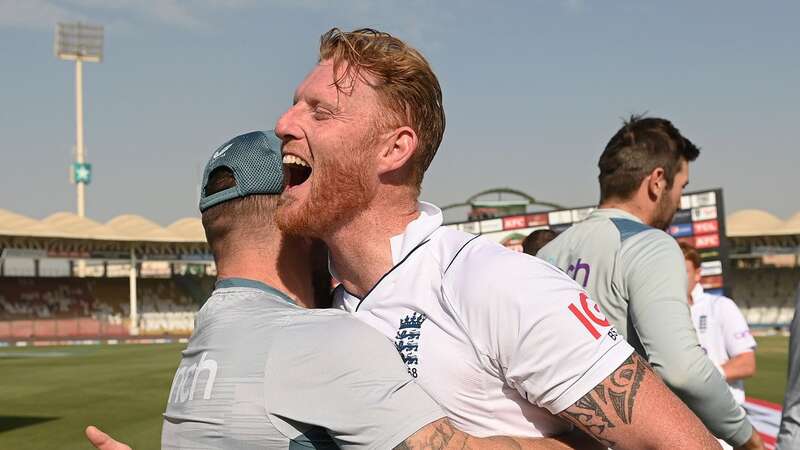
<point x="257" y="165"/>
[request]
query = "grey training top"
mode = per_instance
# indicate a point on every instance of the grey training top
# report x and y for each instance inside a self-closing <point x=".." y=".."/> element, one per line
<point x="637" y="275"/>
<point x="789" y="435"/>
<point x="260" y="372"/>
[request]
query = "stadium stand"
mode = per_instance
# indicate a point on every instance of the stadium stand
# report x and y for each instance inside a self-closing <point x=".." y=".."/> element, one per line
<point x="765" y="273"/>
<point x="766" y="295"/>
<point x="167" y="305"/>
<point x="38" y="299"/>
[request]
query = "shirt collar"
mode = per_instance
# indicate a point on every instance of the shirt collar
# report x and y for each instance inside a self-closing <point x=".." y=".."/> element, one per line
<point x="697" y="292"/>
<point x="251" y="284"/>
<point x="429" y="220"/>
<point x="615" y="212"/>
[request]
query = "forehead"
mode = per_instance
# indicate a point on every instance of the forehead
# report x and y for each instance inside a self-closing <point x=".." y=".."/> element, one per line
<point x="319" y="85"/>
<point x="319" y="79"/>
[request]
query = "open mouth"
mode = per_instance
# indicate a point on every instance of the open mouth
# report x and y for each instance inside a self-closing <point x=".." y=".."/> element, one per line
<point x="295" y="171"/>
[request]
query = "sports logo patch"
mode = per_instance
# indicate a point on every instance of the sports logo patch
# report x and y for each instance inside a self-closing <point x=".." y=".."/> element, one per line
<point x="591" y="316"/>
<point x="407" y="340"/>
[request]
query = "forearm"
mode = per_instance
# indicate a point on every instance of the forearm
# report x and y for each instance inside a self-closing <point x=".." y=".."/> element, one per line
<point x="442" y="435"/>
<point x="573" y="440"/>
<point x="740" y="366"/>
<point x="632" y="409"/>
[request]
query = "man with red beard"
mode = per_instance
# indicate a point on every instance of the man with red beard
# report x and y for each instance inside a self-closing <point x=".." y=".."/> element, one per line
<point x="506" y="343"/>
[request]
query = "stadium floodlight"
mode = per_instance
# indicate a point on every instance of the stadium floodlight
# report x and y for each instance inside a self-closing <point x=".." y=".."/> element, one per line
<point x="79" y="42"/>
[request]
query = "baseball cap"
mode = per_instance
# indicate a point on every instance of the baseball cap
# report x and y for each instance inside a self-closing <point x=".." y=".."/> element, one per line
<point x="256" y="162"/>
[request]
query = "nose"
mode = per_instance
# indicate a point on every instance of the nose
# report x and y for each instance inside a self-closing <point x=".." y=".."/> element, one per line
<point x="287" y="127"/>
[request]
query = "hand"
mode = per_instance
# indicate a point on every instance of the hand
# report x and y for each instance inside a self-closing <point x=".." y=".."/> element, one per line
<point x="102" y="441"/>
<point x="754" y="443"/>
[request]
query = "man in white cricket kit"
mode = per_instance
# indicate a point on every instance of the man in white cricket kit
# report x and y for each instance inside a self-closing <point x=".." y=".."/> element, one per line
<point x="721" y="330"/>
<point x="506" y="343"/>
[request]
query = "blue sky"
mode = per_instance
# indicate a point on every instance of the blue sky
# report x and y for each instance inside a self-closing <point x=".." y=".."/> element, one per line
<point x="532" y="90"/>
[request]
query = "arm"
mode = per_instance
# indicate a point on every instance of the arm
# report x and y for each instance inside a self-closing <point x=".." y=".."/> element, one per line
<point x="442" y="435"/>
<point x="740" y="366"/>
<point x="653" y="270"/>
<point x="554" y="345"/>
<point x="739" y="343"/>
<point x="632" y="409"/>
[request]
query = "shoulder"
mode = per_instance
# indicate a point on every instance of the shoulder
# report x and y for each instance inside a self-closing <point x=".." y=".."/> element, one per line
<point x="595" y="235"/>
<point x="724" y="304"/>
<point x="446" y="244"/>
<point x="652" y="245"/>
<point x="485" y="271"/>
<point x="332" y="332"/>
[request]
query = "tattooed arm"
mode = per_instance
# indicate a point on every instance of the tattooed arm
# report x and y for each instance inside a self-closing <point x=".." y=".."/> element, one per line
<point x="633" y="409"/>
<point x="441" y="434"/>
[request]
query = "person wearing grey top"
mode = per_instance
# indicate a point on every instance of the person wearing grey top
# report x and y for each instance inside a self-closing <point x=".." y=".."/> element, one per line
<point x="789" y="434"/>
<point x="260" y="370"/>
<point x="636" y="273"/>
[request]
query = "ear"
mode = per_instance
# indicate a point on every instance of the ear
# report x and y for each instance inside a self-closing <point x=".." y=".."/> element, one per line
<point x="656" y="183"/>
<point x="398" y="148"/>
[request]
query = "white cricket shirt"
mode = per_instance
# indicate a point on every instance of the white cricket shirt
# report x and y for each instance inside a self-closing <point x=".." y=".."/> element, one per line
<point x="502" y="340"/>
<point x="722" y="331"/>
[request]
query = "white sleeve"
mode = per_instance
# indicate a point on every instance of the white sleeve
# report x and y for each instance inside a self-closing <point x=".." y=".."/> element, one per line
<point x="534" y="326"/>
<point x="737" y="335"/>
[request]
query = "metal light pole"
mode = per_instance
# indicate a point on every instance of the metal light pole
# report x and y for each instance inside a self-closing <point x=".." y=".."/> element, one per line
<point x="79" y="42"/>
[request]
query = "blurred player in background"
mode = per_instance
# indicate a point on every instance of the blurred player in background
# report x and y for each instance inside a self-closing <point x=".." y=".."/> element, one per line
<point x="789" y="434"/>
<point x="492" y="334"/>
<point x="635" y="271"/>
<point x="536" y="240"/>
<point x="721" y="329"/>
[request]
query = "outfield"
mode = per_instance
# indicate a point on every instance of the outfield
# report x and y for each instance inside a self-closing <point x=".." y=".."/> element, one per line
<point x="49" y="394"/>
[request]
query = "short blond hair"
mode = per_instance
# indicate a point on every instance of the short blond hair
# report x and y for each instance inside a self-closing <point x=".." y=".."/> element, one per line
<point x="403" y="80"/>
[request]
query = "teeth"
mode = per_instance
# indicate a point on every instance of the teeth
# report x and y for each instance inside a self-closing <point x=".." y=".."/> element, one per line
<point x="291" y="159"/>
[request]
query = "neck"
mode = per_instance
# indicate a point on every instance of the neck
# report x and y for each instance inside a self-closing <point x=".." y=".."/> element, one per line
<point x="361" y="251"/>
<point x="275" y="264"/>
<point x="630" y="206"/>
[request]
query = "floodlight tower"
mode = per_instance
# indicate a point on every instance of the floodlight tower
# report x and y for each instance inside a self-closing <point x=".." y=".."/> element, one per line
<point x="79" y="42"/>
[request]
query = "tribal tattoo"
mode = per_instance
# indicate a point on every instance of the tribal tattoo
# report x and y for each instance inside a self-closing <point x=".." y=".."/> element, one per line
<point x="442" y="435"/>
<point x="611" y="402"/>
<point x="435" y="435"/>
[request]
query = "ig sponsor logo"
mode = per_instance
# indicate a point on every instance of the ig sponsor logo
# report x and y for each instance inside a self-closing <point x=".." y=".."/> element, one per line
<point x="591" y="317"/>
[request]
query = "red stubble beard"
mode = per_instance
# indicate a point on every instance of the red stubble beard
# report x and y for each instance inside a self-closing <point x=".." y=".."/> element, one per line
<point x="339" y="191"/>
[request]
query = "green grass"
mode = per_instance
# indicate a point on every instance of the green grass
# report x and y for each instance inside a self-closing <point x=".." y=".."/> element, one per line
<point x="122" y="389"/>
<point x="48" y="395"/>
<point x="769" y="383"/>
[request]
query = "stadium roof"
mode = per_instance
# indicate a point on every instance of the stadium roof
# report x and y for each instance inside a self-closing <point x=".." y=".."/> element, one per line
<point x="754" y="222"/>
<point x="133" y="228"/>
<point x="127" y="227"/>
